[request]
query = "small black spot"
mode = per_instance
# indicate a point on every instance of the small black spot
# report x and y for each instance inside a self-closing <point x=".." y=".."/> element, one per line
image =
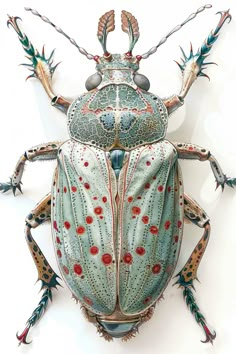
<point x="30" y="216"/>
<point x="203" y="150"/>
<point x="45" y="262"/>
<point x="42" y="215"/>
<point x="44" y="268"/>
<point x="29" y="238"/>
<point x="179" y="145"/>
<point x="50" y="270"/>
<point x="189" y="274"/>
<point x="35" y="248"/>
<point x="199" y="246"/>
<point x="49" y="202"/>
<point x="45" y="276"/>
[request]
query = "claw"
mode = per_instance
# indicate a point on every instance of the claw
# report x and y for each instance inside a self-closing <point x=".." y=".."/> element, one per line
<point x="23" y="336"/>
<point x="209" y="336"/>
<point x="5" y="187"/>
<point x="231" y="182"/>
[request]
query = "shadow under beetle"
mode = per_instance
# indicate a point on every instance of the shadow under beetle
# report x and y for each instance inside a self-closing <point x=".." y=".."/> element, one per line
<point x="117" y="203"/>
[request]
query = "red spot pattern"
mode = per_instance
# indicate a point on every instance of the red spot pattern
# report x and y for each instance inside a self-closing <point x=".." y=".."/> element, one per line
<point x="129" y="199"/>
<point x="176" y="238"/>
<point x="136" y="210"/>
<point x="74" y="189"/>
<point x="148" y="299"/>
<point x="190" y="148"/>
<point x="169" y="189"/>
<point x="86" y="164"/>
<point x="160" y="188"/>
<point x="148" y="163"/>
<point x="139" y="197"/>
<point x="86" y="185"/>
<point x="80" y="179"/>
<point x="140" y="251"/>
<point x="88" y="301"/>
<point x="147" y="186"/>
<point x="106" y="259"/>
<point x="65" y="189"/>
<point x="98" y="210"/>
<point x="55" y="225"/>
<point x="59" y="253"/>
<point x="94" y="250"/>
<point x="104" y="199"/>
<point x="66" y="270"/>
<point x="167" y="224"/>
<point x="128" y="259"/>
<point x="80" y="230"/>
<point x="78" y="269"/>
<point x="154" y="230"/>
<point x="58" y="240"/>
<point x="89" y="219"/>
<point x="156" y="268"/>
<point x="145" y="219"/>
<point x="67" y="225"/>
<point x="179" y="224"/>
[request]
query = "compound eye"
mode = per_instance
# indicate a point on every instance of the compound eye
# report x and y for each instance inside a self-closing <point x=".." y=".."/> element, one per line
<point x="142" y="81"/>
<point x="93" y="81"/>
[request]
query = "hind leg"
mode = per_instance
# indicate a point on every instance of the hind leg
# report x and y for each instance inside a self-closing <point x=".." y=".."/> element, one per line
<point x="48" y="277"/>
<point x="195" y="214"/>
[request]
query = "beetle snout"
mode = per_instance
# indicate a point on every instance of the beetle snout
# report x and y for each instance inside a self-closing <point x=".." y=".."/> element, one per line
<point x="119" y="329"/>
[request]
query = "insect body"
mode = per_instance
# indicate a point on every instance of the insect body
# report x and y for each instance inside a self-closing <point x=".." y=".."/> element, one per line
<point x="117" y="203"/>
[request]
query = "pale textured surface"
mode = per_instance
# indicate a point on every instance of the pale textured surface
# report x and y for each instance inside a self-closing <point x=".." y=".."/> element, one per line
<point x="208" y="119"/>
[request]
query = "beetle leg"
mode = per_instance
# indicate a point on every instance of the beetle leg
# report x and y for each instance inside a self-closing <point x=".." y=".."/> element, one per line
<point x="41" y="67"/>
<point x="48" y="277"/>
<point x="195" y="214"/>
<point x="195" y="152"/>
<point x="193" y="66"/>
<point x="40" y="152"/>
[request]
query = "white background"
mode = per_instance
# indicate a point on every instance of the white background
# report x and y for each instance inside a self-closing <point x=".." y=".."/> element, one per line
<point x="208" y="119"/>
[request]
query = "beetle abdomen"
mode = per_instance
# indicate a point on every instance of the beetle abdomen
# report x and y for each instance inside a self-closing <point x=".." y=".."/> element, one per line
<point x="117" y="116"/>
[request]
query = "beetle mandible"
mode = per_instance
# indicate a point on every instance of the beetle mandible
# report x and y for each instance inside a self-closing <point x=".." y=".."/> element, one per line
<point x="117" y="203"/>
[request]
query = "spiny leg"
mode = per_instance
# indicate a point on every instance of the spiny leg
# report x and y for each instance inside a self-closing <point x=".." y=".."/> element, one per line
<point x="40" y="152"/>
<point x="46" y="274"/>
<point x="193" y="66"/>
<point x="195" y="214"/>
<point x="194" y="152"/>
<point x="41" y="67"/>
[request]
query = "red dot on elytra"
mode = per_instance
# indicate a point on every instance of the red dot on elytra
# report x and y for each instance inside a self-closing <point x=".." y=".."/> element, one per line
<point x="128" y="259"/>
<point x="67" y="225"/>
<point x="88" y="301"/>
<point x="154" y="230"/>
<point x="98" y="210"/>
<point x="160" y="188"/>
<point x="66" y="270"/>
<point x="156" y="268"/>
<point x="147" y="186"/>
<point x="74" y="189"/>
<point x="176" y="238"/>
<point x="136" y="210"/>
<point x="94" y="250"/>
<point x="58" y="190"/>
<point x="169" y="189"/>
<point x="59" y="253"/>
<point x="89" y="219"/>
<point x="129" y="199"/>
<point x="58" y="240"/>
<point x="145" y="219"/>
<point x="179" y="223"/>
<point x="78" y="269"/>
<point x="104" y="199"/>
<point x="106" y="259"/>
<point x="167" y="224"/>
<point x="190" y="148"/>
<point x="55" y="225"/>
<point x="86" y="164"/>
<point x="80" y="179"/>
<point x="148" y="163"/>
<point x="139" y="197"/>
<point x="86" y="185"/>
<point x="65" y="189"/>
<point x="140" y="251"/>
<point x="80" y="230"/>
<point x="148" y="299"/>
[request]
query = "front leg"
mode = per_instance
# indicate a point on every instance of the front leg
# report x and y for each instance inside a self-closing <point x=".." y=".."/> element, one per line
<point x="41" y="67"/>
<point x="192" y="66"/>
<point x="194" y="152"/>
<point x="40" y="152"/>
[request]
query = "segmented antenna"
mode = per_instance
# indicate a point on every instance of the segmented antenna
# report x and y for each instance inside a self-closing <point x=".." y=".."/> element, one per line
<point x="58" y="29"/>
<point x="130" y="26"/>
<point x="106" y="24"/>
<point x="175" y="29"/>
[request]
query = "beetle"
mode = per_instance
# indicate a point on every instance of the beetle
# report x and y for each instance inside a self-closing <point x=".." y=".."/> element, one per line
<point x="117" y="203"/>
